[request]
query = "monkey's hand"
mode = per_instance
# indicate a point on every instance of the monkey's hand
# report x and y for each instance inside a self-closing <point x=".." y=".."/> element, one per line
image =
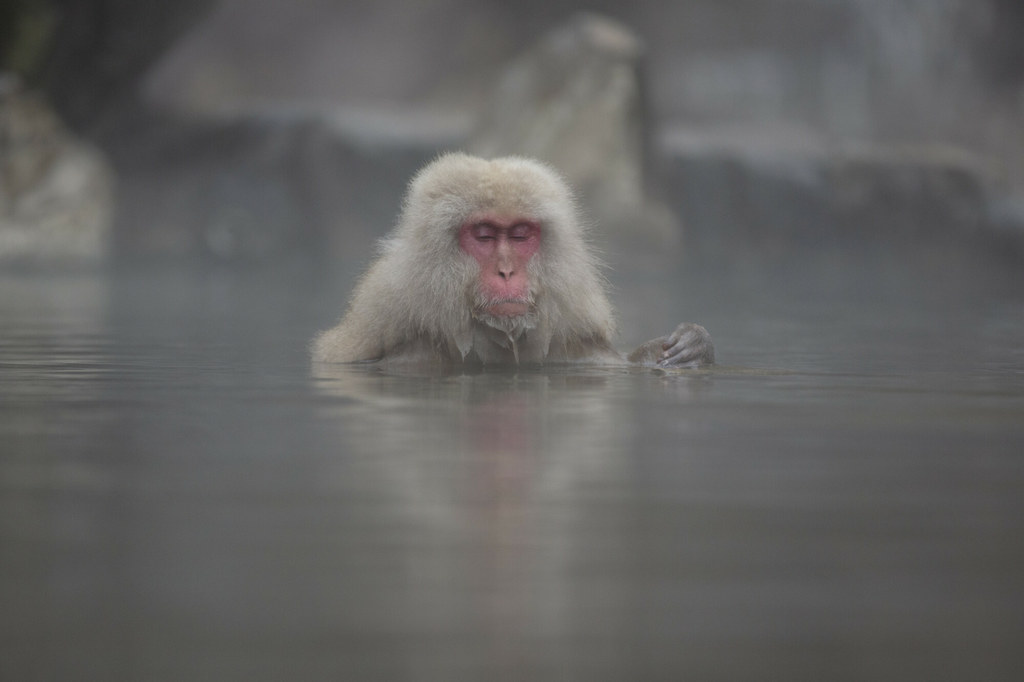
<point x="689" y="346"/>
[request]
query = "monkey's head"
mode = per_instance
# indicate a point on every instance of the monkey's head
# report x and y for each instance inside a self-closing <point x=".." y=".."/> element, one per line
<point x="499" y="242"/>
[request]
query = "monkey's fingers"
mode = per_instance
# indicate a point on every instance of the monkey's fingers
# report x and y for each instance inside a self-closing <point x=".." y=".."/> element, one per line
<point x="688" y="346"/>
<point x="686" y="357"/>
<point x="682" y="336"/>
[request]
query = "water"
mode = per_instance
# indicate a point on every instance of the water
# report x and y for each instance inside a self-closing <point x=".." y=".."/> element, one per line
<point x="843" y="498"/>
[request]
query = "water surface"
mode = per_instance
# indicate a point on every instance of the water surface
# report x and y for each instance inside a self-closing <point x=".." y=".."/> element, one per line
<point x="182" y="499"/>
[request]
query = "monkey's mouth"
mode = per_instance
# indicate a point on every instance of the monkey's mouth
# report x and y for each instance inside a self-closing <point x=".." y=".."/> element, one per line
<point x="503" y="308"/>
<point x="510" y="315"/>
<point x="507" y="307"/>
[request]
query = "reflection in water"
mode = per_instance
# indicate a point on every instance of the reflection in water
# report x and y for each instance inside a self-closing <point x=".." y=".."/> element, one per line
<point x="181" y="499"/>
<point x="500" y="465"/>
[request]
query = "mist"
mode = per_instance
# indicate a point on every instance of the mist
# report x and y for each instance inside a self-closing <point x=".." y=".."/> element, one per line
<point x="833" y="188"/>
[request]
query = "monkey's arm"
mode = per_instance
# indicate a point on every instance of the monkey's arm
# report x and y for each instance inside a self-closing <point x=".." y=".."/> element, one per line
<point x="689" y="346"/>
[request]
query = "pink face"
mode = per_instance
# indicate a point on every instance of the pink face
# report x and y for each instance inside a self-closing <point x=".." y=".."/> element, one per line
<point x="502" y="245"/>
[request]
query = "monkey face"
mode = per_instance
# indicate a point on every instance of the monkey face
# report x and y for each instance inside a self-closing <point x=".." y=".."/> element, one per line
<point x="502" y="246"/>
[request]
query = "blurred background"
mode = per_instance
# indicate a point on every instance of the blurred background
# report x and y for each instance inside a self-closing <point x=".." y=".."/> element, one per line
<point x="753" y="129"/>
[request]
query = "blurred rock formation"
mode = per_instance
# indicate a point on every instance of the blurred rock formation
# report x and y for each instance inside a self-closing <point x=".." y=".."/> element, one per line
<point x="906" y="208"/>
<point x="259" y="186"/>
<point x="270" y="128"/>
<point x="100" y="52"/>
<point x="56" y="191"/>
<point x="577" y="100"/>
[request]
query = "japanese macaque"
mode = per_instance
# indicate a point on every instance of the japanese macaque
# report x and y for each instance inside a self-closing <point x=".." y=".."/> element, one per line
<point x="488" y="265"/>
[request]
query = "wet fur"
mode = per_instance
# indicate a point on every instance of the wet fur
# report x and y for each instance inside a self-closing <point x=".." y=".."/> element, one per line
<point x="417" y="300"/>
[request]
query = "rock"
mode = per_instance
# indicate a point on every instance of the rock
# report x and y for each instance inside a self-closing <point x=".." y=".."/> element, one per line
<point x="56" y="191"/>
<point x="1006" y="216"/>
<point x="744" y="196"/>
<point x="576" y="100"/>
<point x="261" y="186"/>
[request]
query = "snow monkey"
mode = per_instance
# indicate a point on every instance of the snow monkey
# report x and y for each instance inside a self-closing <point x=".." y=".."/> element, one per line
<point x="488" y="265"/>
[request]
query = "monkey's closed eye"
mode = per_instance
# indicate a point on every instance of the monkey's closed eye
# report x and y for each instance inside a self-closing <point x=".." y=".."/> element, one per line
<point x="521" y="232"/>
<point x="483" y="232"/>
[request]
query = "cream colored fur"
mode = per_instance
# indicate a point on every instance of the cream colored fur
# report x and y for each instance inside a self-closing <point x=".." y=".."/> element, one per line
<point x="415" y="301"/>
